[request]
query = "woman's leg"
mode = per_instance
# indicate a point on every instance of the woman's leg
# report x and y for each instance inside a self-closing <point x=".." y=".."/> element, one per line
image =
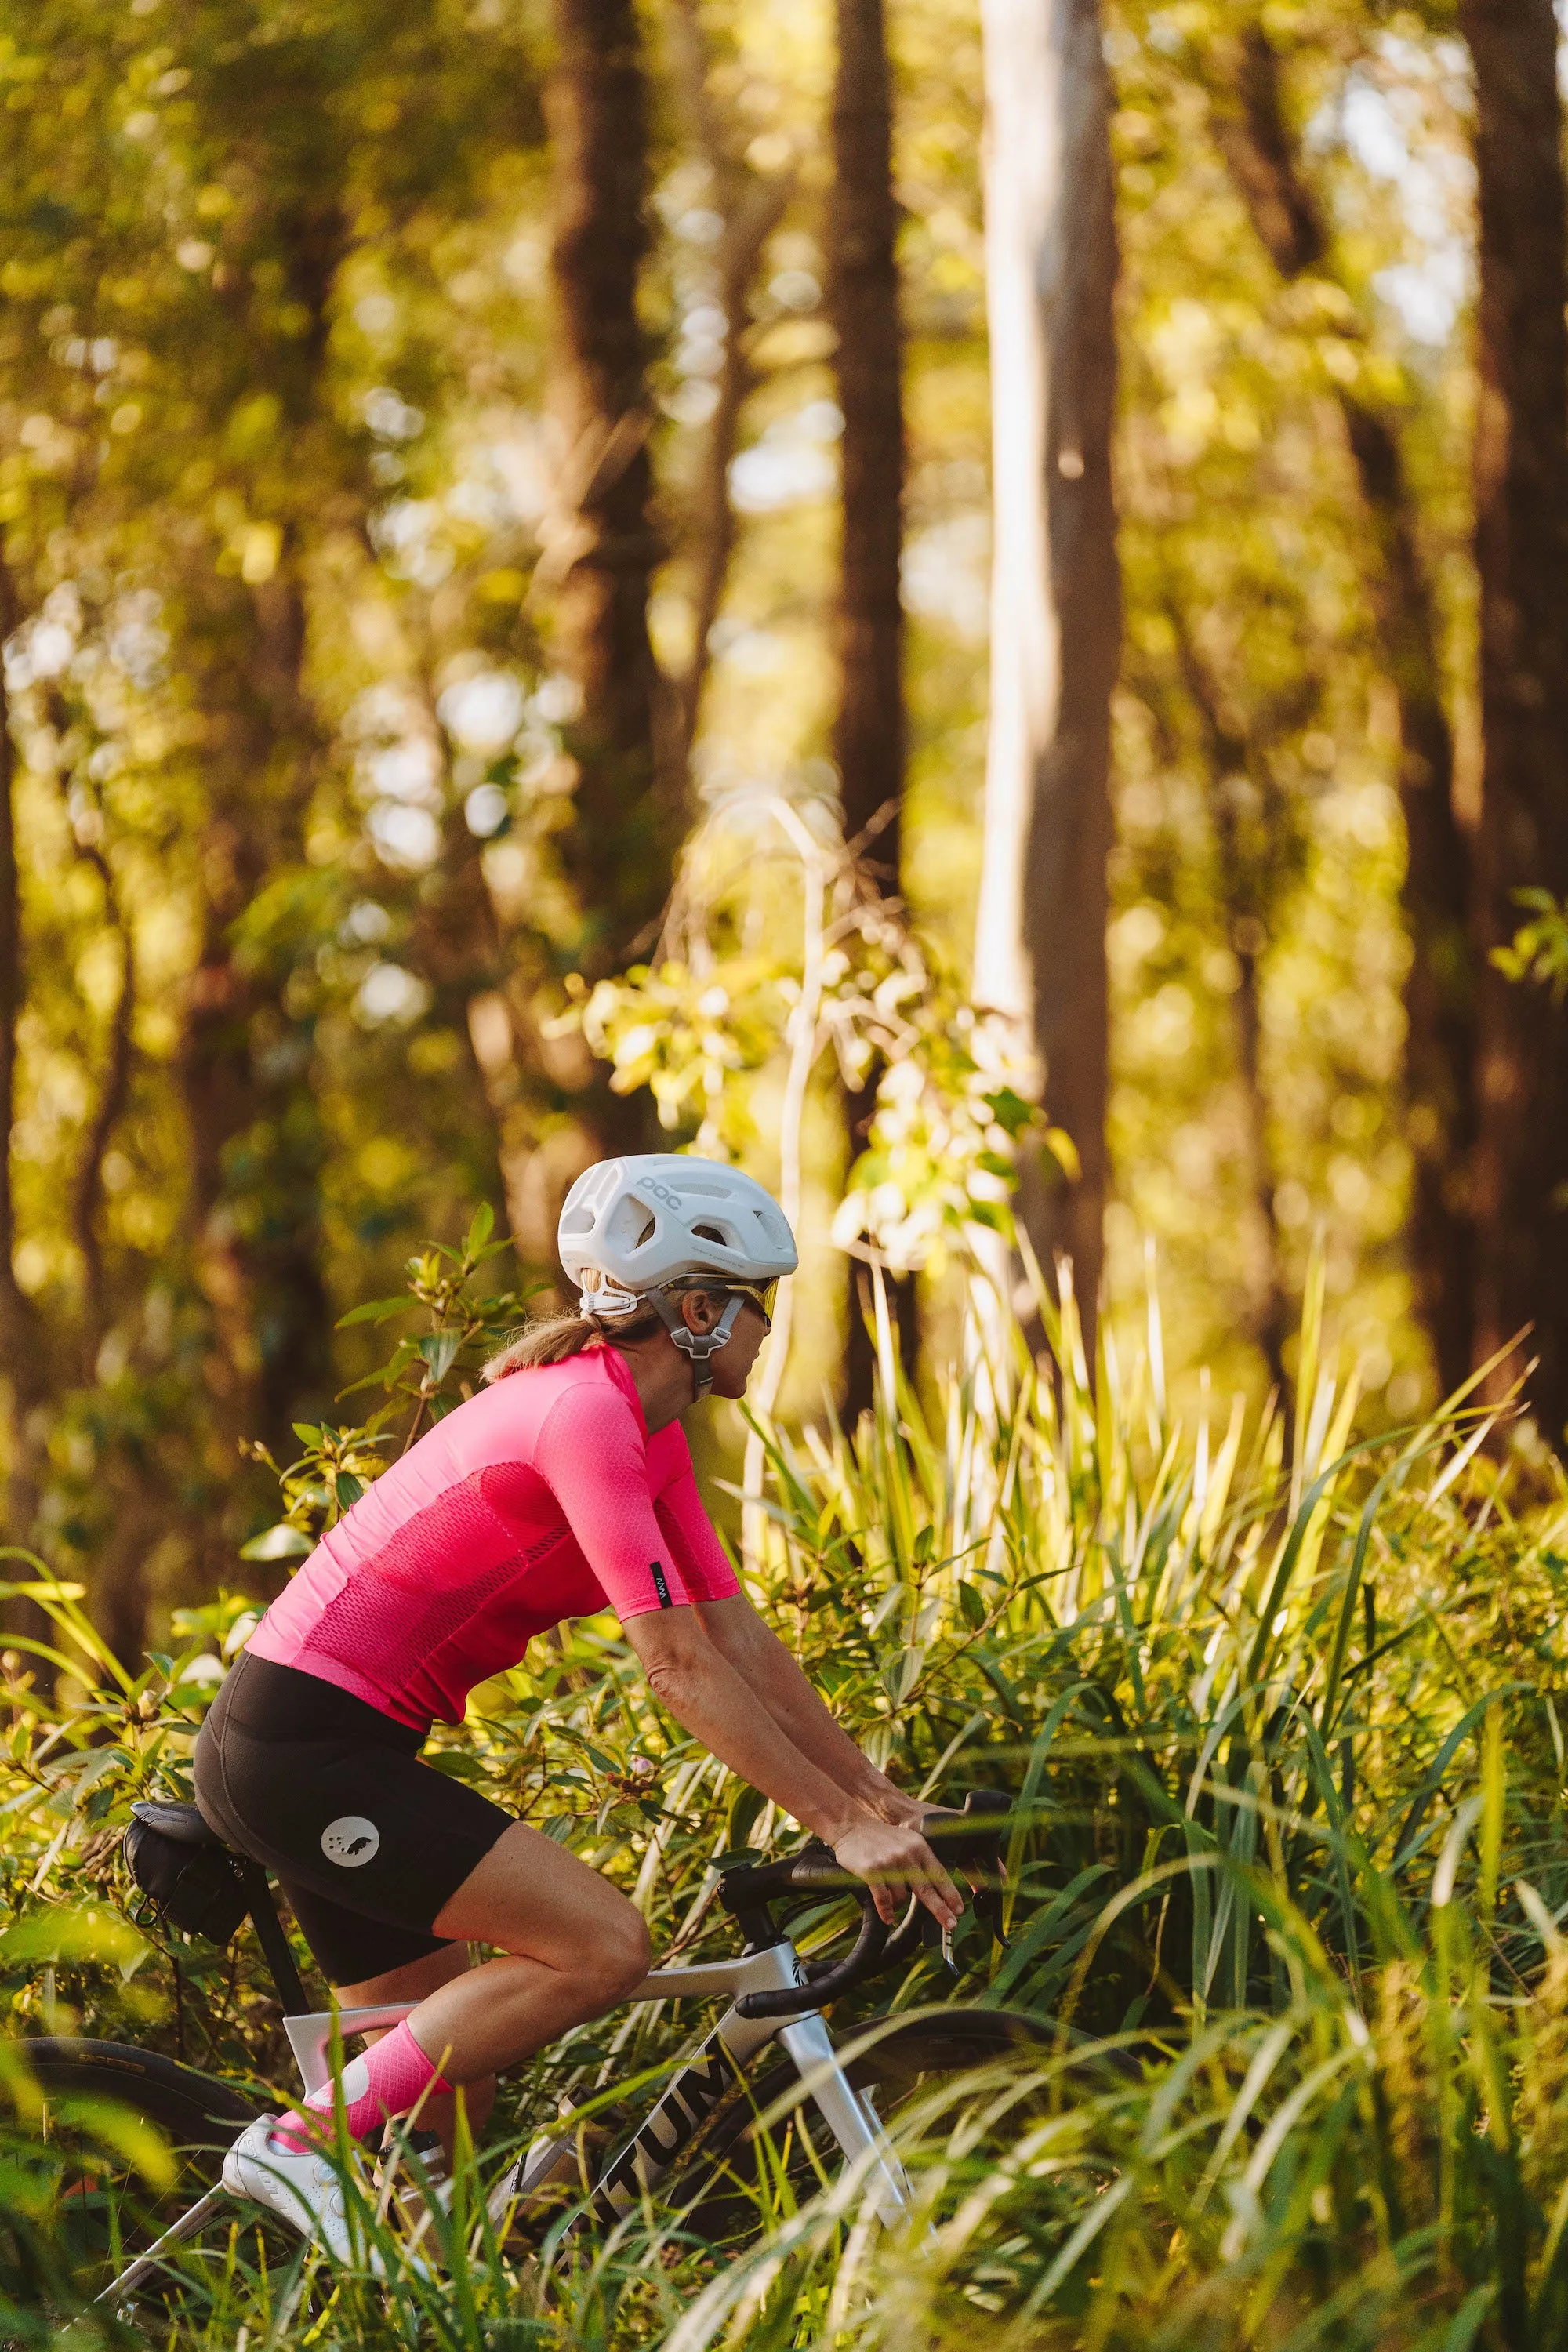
<point x="573" y="1946"/>
<point x="415" y="1982"/>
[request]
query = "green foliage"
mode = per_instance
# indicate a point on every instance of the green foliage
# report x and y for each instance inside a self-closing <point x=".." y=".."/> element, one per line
<point x="1539" y="949"/>
<point x="1257" y="954"/>
<point x="276" y="490"/>
<point x="755" y="979"/>
<point x="426" y="1375"/>
<point x="227" y="234"/>
<point x="275" y="485"/>
<point x="1280" y="1710"/>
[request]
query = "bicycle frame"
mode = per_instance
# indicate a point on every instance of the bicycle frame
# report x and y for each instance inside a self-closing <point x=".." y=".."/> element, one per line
<point x="716" y="2066"/>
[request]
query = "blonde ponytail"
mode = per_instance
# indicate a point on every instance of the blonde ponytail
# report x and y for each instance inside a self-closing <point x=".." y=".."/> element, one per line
<point x="557" y="1338"/>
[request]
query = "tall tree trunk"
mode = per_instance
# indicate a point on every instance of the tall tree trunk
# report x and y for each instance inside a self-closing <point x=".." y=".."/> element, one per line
<point x="1228" y="755"/>
<point x="751" y="206"/>
<point x="617" y="849"/>
<point x="863" y="308"/>
<point x="21" y="1327"/>
<point x="256" y="1144"/>
<point x="617" y="853"/>
<point x="1521" y="552"/>
<point x="244" y="1068"/>
<point x="751" y="214"/>
<point x="1056" y="622"/>
<point x="1262" y="152"/>
<point x="870" y="731"/>
<point x="114" y="1095"/>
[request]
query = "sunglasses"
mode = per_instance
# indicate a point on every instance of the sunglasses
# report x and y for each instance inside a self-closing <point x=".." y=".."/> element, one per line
<point x="762" y="1295"/>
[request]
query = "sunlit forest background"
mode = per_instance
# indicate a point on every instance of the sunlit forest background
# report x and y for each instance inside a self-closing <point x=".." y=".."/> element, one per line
<point x="965" y="601"/>
<point x="471" y="470"/>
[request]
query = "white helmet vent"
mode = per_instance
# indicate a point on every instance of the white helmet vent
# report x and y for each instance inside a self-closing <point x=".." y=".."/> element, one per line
<point x="631" y="1223"/>
<point x="637" y="1223"/>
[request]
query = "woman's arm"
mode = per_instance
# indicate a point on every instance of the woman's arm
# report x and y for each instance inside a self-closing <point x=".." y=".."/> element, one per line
<point x="696" y="1681"/>
<point x="761" y="1660"/>
<point x="768" y="1670"/>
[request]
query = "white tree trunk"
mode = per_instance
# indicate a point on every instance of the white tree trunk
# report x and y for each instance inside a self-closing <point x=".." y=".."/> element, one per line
<point x="1056" y="615"/>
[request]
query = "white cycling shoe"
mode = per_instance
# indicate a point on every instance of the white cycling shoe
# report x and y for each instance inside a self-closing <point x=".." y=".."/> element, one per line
<point x="299" y="2185"/>
<point x="303" y="2188"/>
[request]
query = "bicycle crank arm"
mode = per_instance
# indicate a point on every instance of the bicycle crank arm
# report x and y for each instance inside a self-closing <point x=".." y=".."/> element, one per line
<point x="186" y="2227"/>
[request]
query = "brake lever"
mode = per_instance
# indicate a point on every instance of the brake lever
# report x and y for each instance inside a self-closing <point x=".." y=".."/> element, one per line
<point x="970" y="1841"/>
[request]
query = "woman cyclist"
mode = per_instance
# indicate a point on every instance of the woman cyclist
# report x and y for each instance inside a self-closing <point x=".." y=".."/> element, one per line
<point x="563" y="1488"/>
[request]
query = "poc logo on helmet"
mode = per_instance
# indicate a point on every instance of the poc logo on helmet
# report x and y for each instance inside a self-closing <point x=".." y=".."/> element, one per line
<point x="657" y="1191"/>
<point x="351" y="1841"/>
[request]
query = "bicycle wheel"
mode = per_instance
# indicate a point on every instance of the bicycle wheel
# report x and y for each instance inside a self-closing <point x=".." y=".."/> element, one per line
<point x="101" y="2206"/>
<point x="733" y="2180"/>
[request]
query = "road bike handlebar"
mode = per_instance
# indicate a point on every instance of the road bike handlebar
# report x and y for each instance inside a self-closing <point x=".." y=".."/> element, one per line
<point x="970" y="1840"/>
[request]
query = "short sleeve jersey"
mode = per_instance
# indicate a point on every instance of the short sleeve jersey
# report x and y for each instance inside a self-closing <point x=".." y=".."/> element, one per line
<point x="541" y="1499"/>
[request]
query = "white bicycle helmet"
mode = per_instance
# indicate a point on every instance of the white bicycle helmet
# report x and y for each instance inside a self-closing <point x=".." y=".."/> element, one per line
<point x="634" y="1231"/>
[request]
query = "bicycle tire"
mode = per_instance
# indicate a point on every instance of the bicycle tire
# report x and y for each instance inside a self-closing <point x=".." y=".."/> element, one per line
<point x="719" y="2192"/>
<point x="104" y="2212"/>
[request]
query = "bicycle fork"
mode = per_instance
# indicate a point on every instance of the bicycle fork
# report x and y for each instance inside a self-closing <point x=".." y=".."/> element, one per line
<point x="852" y="2120"/>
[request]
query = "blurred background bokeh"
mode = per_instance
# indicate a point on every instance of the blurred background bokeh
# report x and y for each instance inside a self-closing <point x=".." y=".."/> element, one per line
<point x="457" y="461"/>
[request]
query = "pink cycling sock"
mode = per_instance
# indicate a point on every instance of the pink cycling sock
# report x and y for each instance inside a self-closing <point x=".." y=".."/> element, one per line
<point x="386" y="2081"/>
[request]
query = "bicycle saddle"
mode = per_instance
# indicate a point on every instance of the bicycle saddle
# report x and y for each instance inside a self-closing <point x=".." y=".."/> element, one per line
<point x="183" y="1823"/>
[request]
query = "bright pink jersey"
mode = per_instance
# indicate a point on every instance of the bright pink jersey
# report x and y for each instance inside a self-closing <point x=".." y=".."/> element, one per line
<point x="542" y="1497"/>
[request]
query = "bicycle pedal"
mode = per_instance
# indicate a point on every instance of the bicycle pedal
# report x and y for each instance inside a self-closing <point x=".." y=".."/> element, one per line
<point x="397" y="2156"/>
<point x="409" y="2197"/>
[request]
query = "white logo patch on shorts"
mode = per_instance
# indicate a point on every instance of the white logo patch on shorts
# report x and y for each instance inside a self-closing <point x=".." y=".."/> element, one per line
<point x="351" y="1841"/>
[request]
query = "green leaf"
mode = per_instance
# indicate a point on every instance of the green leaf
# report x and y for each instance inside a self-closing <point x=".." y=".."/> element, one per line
<point x="375" y="1311"/>
<point x="481" y="1230"/>
<point x="307" y="1433"/>
<point x="1009" y="1110"/>
<point x="973" y="1604"/>
<point x="745" y="1808"/>
<point x="348" y="1489"/>
<point x="385" y="1374"/>
<point x="61" y="1933"/>
<point x="456" y="1765"/>
<point x="439" y="1349"/>
<point x="281" y="1543"/>
<point x="735" y="1857"/>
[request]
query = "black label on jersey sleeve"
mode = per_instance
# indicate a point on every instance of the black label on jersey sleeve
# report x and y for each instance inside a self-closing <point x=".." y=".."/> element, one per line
<point x="656" y="1571"/>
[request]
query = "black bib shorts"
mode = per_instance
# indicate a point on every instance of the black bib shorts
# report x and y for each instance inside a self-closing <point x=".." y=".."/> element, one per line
<point x="368" y="1844"/>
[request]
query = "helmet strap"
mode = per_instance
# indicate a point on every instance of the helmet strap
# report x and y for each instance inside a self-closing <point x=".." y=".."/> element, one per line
<point x="700" y="1347"/>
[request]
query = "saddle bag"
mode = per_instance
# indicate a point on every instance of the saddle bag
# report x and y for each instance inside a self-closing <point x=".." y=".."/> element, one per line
<point x="196" y="1888"/>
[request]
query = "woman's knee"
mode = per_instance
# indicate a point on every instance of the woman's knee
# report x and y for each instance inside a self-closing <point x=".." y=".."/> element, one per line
<point x="620" y="1955"/>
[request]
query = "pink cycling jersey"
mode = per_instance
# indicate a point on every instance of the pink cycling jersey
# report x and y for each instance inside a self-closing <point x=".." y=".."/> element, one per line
<point x="542" y="1497"/>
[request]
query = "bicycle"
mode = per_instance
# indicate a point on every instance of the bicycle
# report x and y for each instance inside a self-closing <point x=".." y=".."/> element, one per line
<point x="692" y="2149"/>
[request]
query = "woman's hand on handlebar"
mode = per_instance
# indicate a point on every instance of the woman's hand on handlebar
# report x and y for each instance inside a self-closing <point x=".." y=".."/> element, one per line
<point x="908" y="1812"/>
<point x="895" y="1863"/>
